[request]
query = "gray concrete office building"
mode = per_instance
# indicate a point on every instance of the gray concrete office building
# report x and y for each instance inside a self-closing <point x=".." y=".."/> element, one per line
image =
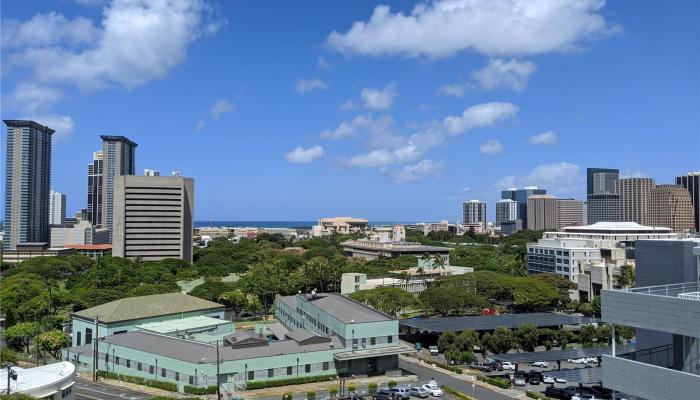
<point x="569" y="213"/>
<point x="542" y="210"/>
<point x="27" y="183"/>
<point x="691" y="182"/>
<point x="634" y="199"/>
<point x="474" y="212"/>
<point x="118" y="159"/>
<point x="506" y="210"/>
<point x="670" y="206"/>
<point x="94" y="190"/>
<point x="57" y="208"/>
<point x="153" y="217"/>
<point x="602" y="203"/>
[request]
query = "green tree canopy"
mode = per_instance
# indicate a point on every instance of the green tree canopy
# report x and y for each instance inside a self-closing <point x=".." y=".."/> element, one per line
<point x="390" y="300"/>
<point x="52" y="342"/>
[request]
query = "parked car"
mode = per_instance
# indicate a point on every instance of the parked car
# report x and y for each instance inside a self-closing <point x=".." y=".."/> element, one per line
<point x="493" y="364"/>
<point x="519" y="380"/>
<point x="534" y="378"/>
<point x="559" y="380"/>
<point x="591" y="359"/>
<point x="577" y="360"/>
<point x="541" y="364"/>
<point x="434" y="390"/>
<point x="418" y="391"/>
<point x="548" y="379"/>
<point x="381" y="395"/>
<point x="561" y="393"/>
<point x="400" y="393"/>
<point x="434" y="351"/>
<point x="508" y="366"/>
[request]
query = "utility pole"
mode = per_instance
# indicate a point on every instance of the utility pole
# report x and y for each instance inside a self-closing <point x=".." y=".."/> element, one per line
<point x="9" y="375"/>
<point x="218" y="384"/>
<point x="95" y="349"/>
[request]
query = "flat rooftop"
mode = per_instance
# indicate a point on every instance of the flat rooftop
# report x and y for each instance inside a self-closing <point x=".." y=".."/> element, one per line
<point x="341" y="307"/>
<point x="394" y="246"/>
<point x="183" y="324"/>
<point x="616" y="227"/>
<point x="34" y="378"/>
<point x="491" y="322"/>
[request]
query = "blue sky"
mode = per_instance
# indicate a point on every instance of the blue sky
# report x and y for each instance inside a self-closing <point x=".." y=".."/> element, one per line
<point x="386" y="110"/>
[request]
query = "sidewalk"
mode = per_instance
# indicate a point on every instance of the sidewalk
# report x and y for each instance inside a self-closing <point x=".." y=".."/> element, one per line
<point x="136" y="387"/>
<point x="469" y="377"/>
<point x="322" y="389"/>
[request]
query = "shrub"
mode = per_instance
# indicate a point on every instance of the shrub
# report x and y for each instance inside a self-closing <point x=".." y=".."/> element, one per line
<point x="199" y="390"/>
<point x="372" y="388"/>
<point x="444" y="366"/>
<point x="142" y="381"/>
<point x="162" y="385"/>
<point x="391" y="383"/>
<point x="333" y="391"/>
<point x="352" y="388"/>
<point x="536" y="395"/>
<point x="311" y="395"/>
<point x="457" y="394"/>
<point x="251" y="385"/>
<point x="287" y="396"/>
<point x="500" y="382"/>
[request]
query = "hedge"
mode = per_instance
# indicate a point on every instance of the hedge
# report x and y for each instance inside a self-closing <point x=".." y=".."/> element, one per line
<point x="536" y="395"/>
<point x="372" y="387"/>
<point x="311" y="395"/>
<point x="443" y="366"/>
<point x="457" y="394"/>
<point x="500" y="382"/>
<point x="140" y="381"/>
<point x="199" y="390"/>
<point x="287" y="396"/>
<point x="251" y="385"/>
<point x="391" y="384"/>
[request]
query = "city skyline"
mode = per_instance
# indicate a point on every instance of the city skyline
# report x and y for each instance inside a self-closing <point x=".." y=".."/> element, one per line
<point x="361" y="116"/>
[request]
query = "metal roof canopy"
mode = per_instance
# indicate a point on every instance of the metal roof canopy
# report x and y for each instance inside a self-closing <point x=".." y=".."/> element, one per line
<point x="491" y="322"/>
<point x="556" y="355"/>
<point x="586" y="376"/>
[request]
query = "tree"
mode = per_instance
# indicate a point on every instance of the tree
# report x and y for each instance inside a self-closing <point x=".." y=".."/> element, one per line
<point x="52" y="342"/>
<point x="320" y="273"/>
<point x="527" y="337"/>
<point x="533" y="295"/>
<point x="604" y="334"/>
<point x="500" y="341"/>
<point x="626" y="277"/>
<point x="7" y="356"/>
<point x="466" y="341"/>
<point x="564" y="337"/>
<point x="625" y="332"/>
<point x="446" y="341"/>
<point x="547" y="337"/>
<point x="443" y="300"/>
<point x="212" y="289"/>
<point x="253" y="305"/>
<point x="20" y="336"/>
<point x="587" y="334"/>
<point x="595" y="305"/>
<point x="558" y="282"/>
<point x="235" y="299"/>
<point x="390" y="300"/>
<point x="586" y="309"/>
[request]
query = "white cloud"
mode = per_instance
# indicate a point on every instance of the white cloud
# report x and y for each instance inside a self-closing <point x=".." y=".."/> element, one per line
<point x="375" y="158"/>
<point x="62" y="124"/>
<point x="347" y="105"/>
<point x="379" y="99"/>
<point x="221" y="107"/>
<point x="301" y="155"/>
<point x="549" y="137"/>
<point x="31" y="98"/>
<point x="453" y="89"/>
<point x="322" y="63"/>
<point x="417" y="172"/>
<point x="493" y="27"/>
<point x="558" y="178"/>
<point x="200" y="125"/>
<point x="306" y="85"/>
<point x="632" y="173"/>
<point x="139" y="41"/>
<point x="479" y="116"/>
<point x="491" y="148"/>
<point x="48" y="29"/>
<point x="504" y="74"/>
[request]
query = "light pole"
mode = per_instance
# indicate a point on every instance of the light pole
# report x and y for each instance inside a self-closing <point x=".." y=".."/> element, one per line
<point x="96" y="349"/>
<point x="218" y="384"/>
<point x="11" y="375"/>
<point x="297" y="367"/>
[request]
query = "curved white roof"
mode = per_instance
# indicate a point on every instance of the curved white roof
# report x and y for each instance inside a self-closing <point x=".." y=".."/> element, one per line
<point x="616" y="226"/>
<point x="31" y="379"/>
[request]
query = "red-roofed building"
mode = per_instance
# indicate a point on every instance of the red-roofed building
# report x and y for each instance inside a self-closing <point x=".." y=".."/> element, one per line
<point x="94" y="251"/>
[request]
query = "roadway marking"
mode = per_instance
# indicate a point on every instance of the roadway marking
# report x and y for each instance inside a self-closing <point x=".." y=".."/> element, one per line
<point x="122" y="395"/>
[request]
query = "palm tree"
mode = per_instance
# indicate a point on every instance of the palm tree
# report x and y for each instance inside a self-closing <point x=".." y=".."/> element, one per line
<point x="626" y="277"/>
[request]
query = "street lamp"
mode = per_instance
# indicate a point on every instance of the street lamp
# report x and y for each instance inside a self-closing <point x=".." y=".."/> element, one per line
<point x="297" y="367"/>
<point x="11" y="375"/>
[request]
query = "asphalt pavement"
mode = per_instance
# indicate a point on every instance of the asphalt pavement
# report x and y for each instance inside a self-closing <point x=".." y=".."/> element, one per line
<point x="86" y="390"/>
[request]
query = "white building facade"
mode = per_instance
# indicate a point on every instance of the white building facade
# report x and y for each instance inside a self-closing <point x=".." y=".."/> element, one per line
<point x="57" y="208"/>
<point x="52" y="382"/>
<point x="506" y="210"/>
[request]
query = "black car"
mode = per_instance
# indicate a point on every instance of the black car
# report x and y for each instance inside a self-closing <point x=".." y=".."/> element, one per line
<point x="494" y="365"/>
<point x="534" y="378"/>
<point x="383" y="396"/>
<point x="561" y="393"/>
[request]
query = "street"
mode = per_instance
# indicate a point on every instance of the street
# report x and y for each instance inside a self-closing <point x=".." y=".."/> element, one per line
<point x="425" y="374"/>
<point x="84" y="390"/>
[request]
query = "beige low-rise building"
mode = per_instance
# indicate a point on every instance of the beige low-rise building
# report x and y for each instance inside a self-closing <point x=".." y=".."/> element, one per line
<point x="339" y="225"/>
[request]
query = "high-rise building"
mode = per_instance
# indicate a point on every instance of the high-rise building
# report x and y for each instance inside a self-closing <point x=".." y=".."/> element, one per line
<point x="521" y="196"/>
<point x="57" y="208"/>
<point x="569" y="213"/>
<point x="27" y="183"/>
<point x="506" y="210"/>
<point x="474" y="212"/>
<point x="670" y="206"/>
<point x="691" y="182"/>
<point x="634" y="199"/>
<point x="603" y="203"/>
<point x="601" y="180"/>
<point x="153" y="217"/>
<point x="542" y="210"/>
<point x="118" y="159"/>
<point x="94" y="195"/>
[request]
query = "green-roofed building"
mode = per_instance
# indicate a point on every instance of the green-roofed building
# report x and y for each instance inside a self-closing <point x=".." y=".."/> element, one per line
<point x="124" y="315"/>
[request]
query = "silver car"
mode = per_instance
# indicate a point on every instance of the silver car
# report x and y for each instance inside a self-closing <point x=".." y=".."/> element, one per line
<point x="418" y="391"/>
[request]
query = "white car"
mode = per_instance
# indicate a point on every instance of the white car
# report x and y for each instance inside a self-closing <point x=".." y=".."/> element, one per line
<point x="548" y="379"/>
<point x="433" y="350"/>
<point x="541" y="364"/>
<point x="434" y="390"/>
<point x="591" y="359"/>
<point x="577" y="360"/>
<point x="508" y="366"/>
<point x="559" y="380"/>
<point x="519" y="380"/>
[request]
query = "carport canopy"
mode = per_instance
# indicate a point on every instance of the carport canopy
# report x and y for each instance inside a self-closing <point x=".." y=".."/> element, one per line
<point x="585" y="376"/>
<point x="558" y="355"/>
<point x="491" y="322"/>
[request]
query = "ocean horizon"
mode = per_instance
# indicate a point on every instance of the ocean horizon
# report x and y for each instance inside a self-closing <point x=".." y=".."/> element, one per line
<point x="276" y="224"/>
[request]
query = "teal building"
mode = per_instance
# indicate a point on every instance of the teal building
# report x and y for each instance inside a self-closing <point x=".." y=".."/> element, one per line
<point x="317" y="335"/>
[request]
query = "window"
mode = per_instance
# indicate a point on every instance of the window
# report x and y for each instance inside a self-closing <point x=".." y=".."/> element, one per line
<point x="326" y="366"/>
<point x="251" y="375"/>
<point x="128" y="363"/>
<point x="151" y="370"/>
<point x="270" y="373"/>
<point x="139" y="366"/>
<point x="79" y="339"/>
<point x="390" y="339"/>
<point x="88" y="335"/>
<point x="357" y="279"/>
<point x="163" y="372"/>
<point x="307" y="368"/>
<point x="289" y="370"/>
<point x="116" y="360"/>
<point x="191" y="380"/>
<point x="119" y="332"/>
<point x="177" y="376"/>
<point x="372" y="341"/>
<point x="106" y="357"/>
<point x="364" y="342"/>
